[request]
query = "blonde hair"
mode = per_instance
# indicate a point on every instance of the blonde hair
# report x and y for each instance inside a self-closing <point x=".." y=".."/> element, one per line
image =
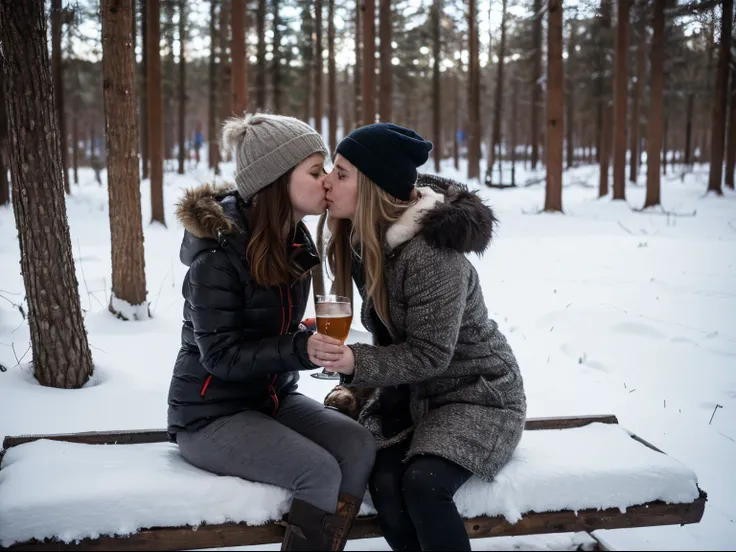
<point x="364" y="237"/>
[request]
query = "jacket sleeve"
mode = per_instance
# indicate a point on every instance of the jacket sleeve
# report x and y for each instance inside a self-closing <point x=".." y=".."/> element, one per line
<point x="435" y="292"/>
<point x="217" y="300"/>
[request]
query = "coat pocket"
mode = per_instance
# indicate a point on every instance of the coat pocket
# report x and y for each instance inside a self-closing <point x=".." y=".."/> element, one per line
<point x="494" y="394"/>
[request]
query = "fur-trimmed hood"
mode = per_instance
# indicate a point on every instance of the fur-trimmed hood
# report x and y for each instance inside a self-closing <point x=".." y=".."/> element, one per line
<point x="447" y="216"/>
<point x="216" y="216"/>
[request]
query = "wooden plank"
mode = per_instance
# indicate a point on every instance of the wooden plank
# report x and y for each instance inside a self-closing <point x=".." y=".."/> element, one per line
<point x="94" y="437"/>
<point x="568" y="422"/>
<point x="233" y="534"/>
<point x="159" y="435"/>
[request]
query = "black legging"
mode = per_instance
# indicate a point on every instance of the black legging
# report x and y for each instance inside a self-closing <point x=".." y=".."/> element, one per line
<point x="414" y="501"/>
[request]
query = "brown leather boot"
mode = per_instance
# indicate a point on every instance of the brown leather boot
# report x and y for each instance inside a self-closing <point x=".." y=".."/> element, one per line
<point x="348" y="507"/>
<point x="309" y="528"/>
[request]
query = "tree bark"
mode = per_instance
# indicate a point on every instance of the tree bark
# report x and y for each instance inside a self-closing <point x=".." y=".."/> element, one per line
<point x="731" y="141"/>
<point x="182" y="85"/>
<point x="223" y="96"/>
<point x="455" y="119"/>
<point x="514" y="124"/>
<point x="636" y="99"/>
<point x="654" y="124"/>
<point x="436" y="88"/>
<point x="308" y="59"/>
<point x="145" y="157"/>
<point x="331" y="77"/>
<point x="474" y="129"/>
<point x="57" y="69"/>
<point x="498" y="100"/>
<point x="369" y="62"/>
<point x="620" y="107"/>
<point x="536" y="76"/>
<point x="689" y="128"/>
<point x="387" y="73"/>
<point x="318" y="67"/>
<point x="555" y="108"/>
<point x="239" y="69"/>
<point x="155" y="111"/>
<point x="4" y="184"/>
<point x="604" y="140"/>
<point x="126" y="230"/>
<point x="358" y="68"/>
<point x="570" y="100"/>
<point x="276" y="65"/>
<point x="261" y="56"/>
<point x="720" y="101"/>
<point x="61" y="354"/>
<point x="212" y="148"/>
<point x="666" y="116"/>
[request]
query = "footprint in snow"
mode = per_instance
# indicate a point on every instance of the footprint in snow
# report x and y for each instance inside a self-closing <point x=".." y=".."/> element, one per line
<point x="634" y="328"/>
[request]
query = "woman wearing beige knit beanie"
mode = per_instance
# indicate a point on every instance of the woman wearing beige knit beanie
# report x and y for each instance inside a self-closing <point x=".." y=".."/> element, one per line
<point x="234" y="408"/>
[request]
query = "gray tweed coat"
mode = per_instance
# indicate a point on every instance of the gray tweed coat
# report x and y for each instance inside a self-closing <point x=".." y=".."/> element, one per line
<point x="467" y="399"/>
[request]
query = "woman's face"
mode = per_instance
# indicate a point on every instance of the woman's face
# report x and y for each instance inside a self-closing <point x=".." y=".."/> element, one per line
<point x="306" y="187"/>
<point x="342" y="189"/>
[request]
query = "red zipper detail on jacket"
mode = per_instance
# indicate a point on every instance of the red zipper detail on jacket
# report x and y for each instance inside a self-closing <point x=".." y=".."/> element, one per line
<point x="206" y="383"/>
<point x="274" y="397"/>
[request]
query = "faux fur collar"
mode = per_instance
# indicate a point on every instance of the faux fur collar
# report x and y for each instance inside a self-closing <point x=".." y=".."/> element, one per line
<point x="447" y="215"/>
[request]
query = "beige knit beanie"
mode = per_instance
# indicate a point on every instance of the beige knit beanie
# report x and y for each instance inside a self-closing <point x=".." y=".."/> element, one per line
<point x="266" y="147"/>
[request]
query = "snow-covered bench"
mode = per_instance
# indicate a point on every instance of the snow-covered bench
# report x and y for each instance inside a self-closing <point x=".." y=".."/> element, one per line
<point x="569" y="474"/>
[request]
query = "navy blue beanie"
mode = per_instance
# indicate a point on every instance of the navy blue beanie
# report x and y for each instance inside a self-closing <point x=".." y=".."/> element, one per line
<point x="388" y="154"/>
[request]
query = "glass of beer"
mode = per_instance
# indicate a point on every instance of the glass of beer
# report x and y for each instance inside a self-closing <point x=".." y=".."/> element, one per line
<point x="334" y="317"/>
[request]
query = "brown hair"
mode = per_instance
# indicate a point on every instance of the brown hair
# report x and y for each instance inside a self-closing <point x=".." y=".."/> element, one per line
<point x="375" y="213"/>
<point x="270" y="216"/>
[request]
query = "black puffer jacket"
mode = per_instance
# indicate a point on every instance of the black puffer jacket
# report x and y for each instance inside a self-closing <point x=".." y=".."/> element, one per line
<point x="241" y="346"/>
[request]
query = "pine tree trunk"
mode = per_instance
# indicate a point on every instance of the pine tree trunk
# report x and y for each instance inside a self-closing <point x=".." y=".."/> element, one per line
<point x="358" y="68"/>
<point x="61" y="354"/>
<point x="689" y="128"/>
<point x="223" y="96"/>
<point x="536" y="76"/>
<point x="168" y="80"/>
<point x="369" y="62"/>
<point x="145" y="155"/>
<point x="455" y="119"/>
<point x="570" y="100"/>
<point x="720" y="101"/>
<point x="331" y="77"/>
<point x="57" y="70"/>
<point x="636" y="99"/>
<point x="212" y="149"/>
<point x="4" y="184"/>
<point x="276" y="65"/>
<point x="620" y="107"/>
<point x="731" y="142"/>
<point x="514" y="125"/>
<point x="346" y="104"/>
<point x="126" y="230"/>
<point x="182" y="85"/>
<point x="318" y="67"/>
<point x="605" y="138"/>
<point x="498" y="100"/>
<point x="155" y="111"/>
<point x="555" y="108"/>
<point x="386" y="53"/>
<point x="308" y="60"/>
<point x="664" y="139"/>
<point x="239" y="68"/>
<point x="654" y="124"/>
<point x="261" y="56"/>
<point x="474" y="128"/>
<point x="436" y="88"/>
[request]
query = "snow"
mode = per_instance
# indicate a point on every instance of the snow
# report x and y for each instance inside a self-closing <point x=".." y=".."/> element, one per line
<point x="92" y="490"/>
<point x="128" y="311"/>
<point x="609" y="311"/>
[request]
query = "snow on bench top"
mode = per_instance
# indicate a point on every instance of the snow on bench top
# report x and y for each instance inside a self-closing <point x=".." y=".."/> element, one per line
<point x="73" y="491"/>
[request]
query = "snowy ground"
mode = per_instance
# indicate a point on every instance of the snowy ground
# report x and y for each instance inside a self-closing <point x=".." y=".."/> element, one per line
<point x="608" y="310"/>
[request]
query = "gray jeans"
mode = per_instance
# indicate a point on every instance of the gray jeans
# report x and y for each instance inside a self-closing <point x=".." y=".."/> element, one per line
<point x="315" y="451"/>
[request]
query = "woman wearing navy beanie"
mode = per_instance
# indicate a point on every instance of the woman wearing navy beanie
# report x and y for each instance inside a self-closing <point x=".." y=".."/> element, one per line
<point x="440" y="387"/>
